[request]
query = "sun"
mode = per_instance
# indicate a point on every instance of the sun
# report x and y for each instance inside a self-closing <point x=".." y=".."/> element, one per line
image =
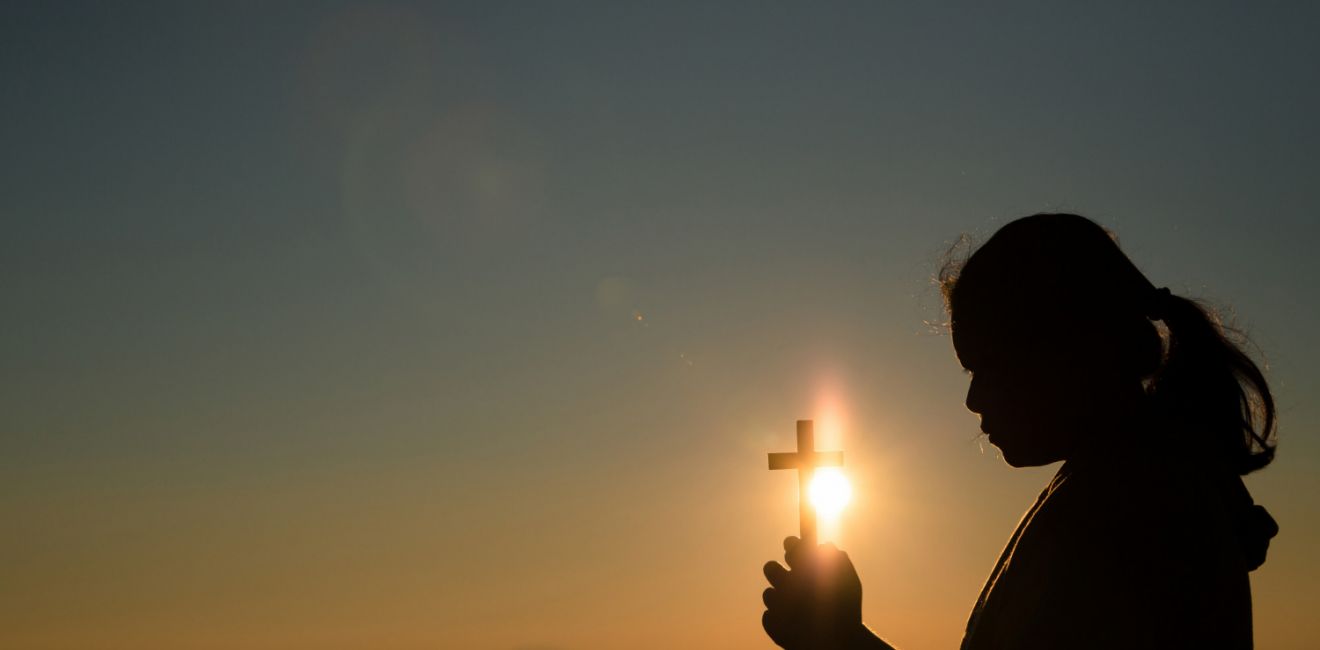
<point x="829" y="492"/>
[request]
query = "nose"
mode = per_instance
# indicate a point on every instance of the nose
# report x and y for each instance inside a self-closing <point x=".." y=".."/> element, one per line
<point x="975" y="401"/>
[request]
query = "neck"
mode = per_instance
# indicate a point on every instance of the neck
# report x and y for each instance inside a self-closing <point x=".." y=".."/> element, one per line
<point x="1121" y="421"/>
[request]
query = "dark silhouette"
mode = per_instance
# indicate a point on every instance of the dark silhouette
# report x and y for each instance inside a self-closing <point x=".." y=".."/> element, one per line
<point x="1145" y="536"/>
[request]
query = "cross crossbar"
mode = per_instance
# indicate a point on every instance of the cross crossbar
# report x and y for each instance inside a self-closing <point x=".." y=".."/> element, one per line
<point x="799" y="460"/>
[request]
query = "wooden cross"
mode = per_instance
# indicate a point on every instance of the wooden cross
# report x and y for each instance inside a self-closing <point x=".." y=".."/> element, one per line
<point x="805" y="460"/>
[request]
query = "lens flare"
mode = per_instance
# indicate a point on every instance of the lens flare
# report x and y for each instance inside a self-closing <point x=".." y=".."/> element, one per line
<point x="829" y="492"/>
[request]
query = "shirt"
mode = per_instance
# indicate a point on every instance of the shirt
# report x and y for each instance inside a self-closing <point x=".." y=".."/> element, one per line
<point x="1129" y="553"/>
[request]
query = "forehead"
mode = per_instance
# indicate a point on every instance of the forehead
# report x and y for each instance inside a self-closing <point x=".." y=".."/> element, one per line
<point x="1003" y="311"/>
<point x="999" y="340"/>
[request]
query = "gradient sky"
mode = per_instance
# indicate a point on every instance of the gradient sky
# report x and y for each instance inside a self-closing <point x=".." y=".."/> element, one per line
<point x="335" y="325"/>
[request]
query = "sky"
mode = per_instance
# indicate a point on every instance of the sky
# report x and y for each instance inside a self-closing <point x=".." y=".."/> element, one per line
<point x="469" y="325"/>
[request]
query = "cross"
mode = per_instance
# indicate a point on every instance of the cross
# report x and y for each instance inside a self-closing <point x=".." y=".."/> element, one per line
<point x="805" y="460"/>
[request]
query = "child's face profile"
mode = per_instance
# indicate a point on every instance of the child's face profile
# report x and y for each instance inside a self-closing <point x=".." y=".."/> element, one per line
<point x="1034" y="397"/>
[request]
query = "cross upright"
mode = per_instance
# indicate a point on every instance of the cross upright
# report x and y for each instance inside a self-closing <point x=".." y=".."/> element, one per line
<point x="805" y="460"/>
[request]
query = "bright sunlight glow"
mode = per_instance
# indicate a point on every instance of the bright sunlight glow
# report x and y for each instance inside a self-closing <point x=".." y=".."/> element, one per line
<point x="829" y="491"/>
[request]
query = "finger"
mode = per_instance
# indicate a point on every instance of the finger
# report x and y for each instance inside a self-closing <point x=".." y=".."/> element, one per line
<point x="774" y="628"/>
<point x="837" y="557"/>
<point x="771" y="597"/>
<point x="775" y="573"/>
<point x="794" y="553"/>
<point x="846" y="562"/>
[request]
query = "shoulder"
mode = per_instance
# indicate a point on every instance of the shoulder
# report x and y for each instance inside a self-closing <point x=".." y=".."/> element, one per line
<point x="1143" y="530"/>
<point x="1158" y="494"/>
<point x="1141" y="552"/>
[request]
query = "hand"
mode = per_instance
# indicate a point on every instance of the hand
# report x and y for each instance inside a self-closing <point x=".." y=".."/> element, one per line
<point x="817" y="602"/>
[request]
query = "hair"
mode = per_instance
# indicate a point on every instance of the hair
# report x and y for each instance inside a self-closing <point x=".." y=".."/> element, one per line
<point x="1067" y="273"/>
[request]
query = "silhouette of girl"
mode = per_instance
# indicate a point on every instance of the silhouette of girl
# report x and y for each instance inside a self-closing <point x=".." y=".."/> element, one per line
<point x="1145" y="536"/>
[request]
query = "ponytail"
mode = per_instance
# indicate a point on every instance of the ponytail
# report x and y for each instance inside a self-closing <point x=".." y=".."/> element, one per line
<point x="1210" y="386"/>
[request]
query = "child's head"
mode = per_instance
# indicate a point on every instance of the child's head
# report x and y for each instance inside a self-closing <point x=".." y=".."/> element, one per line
<point x="1057" y="328"/>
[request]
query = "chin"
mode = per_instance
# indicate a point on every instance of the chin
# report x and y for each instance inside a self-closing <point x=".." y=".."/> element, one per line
<point x="1013" y="461"/>
<point x="1017" y="457"/>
